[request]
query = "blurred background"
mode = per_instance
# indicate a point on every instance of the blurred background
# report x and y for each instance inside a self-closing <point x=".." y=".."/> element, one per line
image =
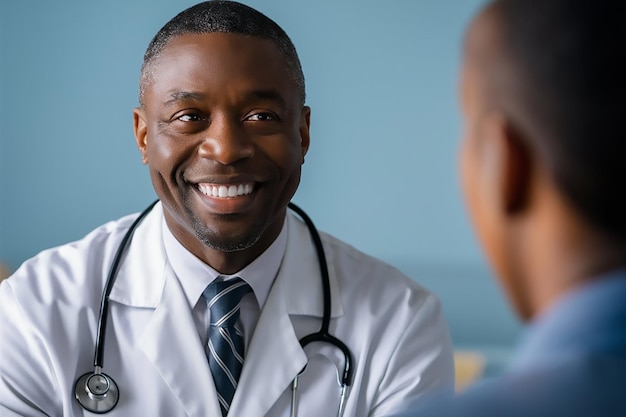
<point x="381" y="172"/>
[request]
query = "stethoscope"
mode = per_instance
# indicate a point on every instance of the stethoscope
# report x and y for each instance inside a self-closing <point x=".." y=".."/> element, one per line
<point x="98" y="393"/>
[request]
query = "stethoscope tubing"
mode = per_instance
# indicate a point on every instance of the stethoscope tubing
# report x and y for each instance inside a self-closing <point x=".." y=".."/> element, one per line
<point x="323" y="335"/>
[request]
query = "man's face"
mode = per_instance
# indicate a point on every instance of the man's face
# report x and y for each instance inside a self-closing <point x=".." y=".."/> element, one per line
<point x="224" y="135"/>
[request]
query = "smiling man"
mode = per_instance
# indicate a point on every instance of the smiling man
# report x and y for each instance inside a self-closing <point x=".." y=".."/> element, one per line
<point x="220" y="283"/>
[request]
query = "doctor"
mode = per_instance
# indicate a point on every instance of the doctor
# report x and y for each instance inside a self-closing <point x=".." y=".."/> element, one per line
<point x="224" y="131"/>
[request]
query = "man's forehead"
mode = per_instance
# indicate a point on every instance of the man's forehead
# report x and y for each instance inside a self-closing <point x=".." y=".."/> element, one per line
<point x="253" y="66"/>
<point x="251" y="56"/>
<point x="204" y="53"/>
<point x="483" y="37"/>
<point x="228" y="41"/>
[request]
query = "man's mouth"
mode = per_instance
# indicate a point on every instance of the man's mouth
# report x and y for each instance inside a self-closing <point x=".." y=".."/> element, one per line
<point x="226" y="190"/>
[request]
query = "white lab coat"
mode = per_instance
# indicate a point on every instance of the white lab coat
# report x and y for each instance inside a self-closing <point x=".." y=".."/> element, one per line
<point x="49" y="312"/>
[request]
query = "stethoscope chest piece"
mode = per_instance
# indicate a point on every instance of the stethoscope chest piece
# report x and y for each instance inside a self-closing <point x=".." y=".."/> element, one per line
<point x="97" y="392"/>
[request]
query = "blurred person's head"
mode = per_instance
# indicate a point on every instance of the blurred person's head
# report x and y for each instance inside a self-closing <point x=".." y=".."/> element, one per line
<point x="543" y="93"/>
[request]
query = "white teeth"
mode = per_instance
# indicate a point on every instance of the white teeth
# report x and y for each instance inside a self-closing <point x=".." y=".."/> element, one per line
<point x="223" y="191"/>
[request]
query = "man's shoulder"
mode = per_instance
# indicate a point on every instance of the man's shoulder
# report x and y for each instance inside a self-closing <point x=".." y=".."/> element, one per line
<point x="363" y="272"/>
<point x="582" y="385"/>
<point x="65" y="269"/>
<point x="347" y="253"/>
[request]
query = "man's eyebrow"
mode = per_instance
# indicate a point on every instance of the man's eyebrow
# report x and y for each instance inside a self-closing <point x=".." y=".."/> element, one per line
<point x="269" y="94"/>
<point x="183" y="95"/>
<point x="272" y="95"/>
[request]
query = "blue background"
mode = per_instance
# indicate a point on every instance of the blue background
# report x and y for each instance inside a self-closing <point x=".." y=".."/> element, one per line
<point x="381" y="173"/>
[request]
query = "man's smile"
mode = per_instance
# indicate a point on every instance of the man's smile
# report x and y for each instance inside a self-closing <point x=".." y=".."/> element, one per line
<point x="226" y="190"/>
<point x="228" y="196"/>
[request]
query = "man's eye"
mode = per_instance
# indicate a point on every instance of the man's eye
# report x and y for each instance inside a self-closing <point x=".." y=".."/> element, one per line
<point x="262" y="117"/>
<point x="190" y="117"/>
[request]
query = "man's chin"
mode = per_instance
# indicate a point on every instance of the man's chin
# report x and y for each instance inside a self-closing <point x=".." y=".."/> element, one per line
<point x="227" y="242"/>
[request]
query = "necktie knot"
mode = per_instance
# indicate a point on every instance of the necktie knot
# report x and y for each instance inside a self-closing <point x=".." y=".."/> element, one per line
<point x="224" y="298"/>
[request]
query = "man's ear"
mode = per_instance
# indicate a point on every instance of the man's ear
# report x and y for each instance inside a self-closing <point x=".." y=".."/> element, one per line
<point x="518" y="170"/>
<point x="305" y="124"/>
<point x="141" y="133"/>
<point x="509" y="162"/>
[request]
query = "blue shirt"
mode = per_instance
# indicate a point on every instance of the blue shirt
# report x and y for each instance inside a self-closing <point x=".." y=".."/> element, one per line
<point x="572" y="362"/>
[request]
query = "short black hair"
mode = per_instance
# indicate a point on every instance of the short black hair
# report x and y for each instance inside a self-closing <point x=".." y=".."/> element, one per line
<point x="568" y="58"/>
<point x="224" y="17"/>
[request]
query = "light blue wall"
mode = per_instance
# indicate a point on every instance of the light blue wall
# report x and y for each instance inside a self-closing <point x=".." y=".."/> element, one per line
<point x="381" y="172"/>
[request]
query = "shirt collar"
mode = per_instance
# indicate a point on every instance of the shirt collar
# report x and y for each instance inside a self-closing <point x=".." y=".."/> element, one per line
<point x="194" y="275"/>
<point x="587" y="319"/>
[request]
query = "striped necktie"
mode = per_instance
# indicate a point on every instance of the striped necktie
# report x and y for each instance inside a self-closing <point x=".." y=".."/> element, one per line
<point x="225" y="345"/>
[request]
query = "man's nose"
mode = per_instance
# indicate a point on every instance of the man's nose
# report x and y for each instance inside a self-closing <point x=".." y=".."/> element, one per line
<point x="226" y="142"/>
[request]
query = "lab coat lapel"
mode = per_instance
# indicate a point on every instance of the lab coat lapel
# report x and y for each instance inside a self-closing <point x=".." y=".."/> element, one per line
<point x="170" y="339"/>
<point x="275" y="355"/>
<point x="302" y="274"/>
<point x="180" y="361"/>
<point x="273" y="359"/>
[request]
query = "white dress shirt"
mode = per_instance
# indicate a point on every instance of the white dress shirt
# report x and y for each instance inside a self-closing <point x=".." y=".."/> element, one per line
<point x="194" y="276"/>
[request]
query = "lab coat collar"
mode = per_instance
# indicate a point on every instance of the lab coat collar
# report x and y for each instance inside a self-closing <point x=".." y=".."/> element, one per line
<point x="141" y="277"/>
<point x="301" y="274"/>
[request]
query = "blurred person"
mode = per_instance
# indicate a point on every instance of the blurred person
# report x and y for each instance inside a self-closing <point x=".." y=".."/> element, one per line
<point x="542" y="165"/>
<point x="213" y="291"/>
